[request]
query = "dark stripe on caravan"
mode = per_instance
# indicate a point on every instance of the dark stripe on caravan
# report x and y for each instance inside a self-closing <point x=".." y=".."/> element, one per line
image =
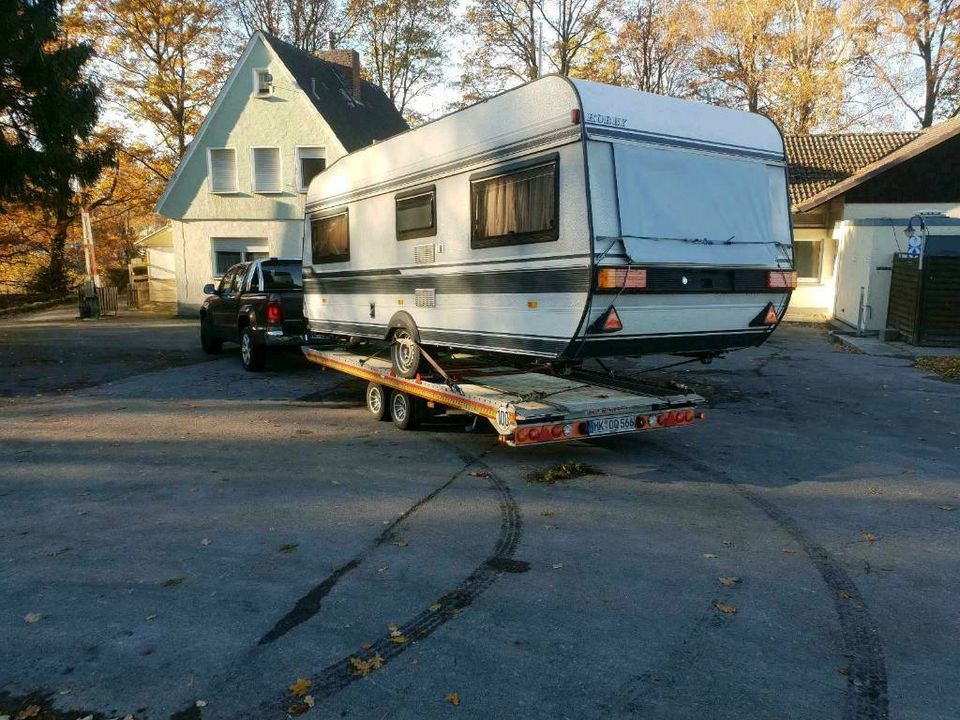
<point x="545" y="280"/>
<point x="492" y="342"/>
<point x="595" y="131"/>
<point x="690" y="343"/>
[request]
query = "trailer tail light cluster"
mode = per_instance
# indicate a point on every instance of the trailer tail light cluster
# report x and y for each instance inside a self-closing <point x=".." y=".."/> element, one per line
<point x="274" y="313"/>
<point x="617" y="278"/>
<point x="559" y="432"/>
<point x="781" y="279"/>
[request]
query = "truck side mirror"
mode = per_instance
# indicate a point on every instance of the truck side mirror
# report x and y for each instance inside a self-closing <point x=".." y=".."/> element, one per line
<point x="209" y="289"/>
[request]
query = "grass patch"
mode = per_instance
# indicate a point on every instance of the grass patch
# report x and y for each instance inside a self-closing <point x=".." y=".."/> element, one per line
<point x="947" y="366"/>
<point x="561" y="472"/>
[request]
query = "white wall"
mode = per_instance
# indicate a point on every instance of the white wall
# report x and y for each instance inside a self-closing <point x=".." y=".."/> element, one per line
<point x="813" y="299"/>
<point x="193" y="245"/>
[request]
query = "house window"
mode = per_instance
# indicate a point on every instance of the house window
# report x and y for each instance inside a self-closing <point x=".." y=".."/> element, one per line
<point x="311" y="161"/>
<point x="807" y="256"/>
<point x="228" y="252"/>
<point x="516" y="207"/>
<point x="330" y="238"/>
<point x="222" y="170"/>
<point x="262" y="82"/>
<point x="416" y="214"/>
<point x="266" y="174"/>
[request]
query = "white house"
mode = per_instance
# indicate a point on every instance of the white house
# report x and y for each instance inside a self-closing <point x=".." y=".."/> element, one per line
<point x="853" y="196"/>
<point x="239" y="190"/>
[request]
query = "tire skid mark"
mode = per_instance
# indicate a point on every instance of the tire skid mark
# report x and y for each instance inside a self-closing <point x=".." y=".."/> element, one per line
<point x="339" y="675"/>
<point x="309" y="605"/>
<point x="866" y="695"/>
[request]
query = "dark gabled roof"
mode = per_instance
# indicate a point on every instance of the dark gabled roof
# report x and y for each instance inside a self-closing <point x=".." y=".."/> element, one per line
<point x="818" y="162"/>
<point x="330" y="88"/>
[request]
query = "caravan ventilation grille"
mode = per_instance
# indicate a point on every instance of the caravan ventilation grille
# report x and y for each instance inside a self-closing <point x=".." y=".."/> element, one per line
<point x="425" y="297"/>
<point x="424" y="254"/>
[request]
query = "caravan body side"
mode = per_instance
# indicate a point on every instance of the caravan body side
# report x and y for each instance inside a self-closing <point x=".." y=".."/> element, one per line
<point x="526" y="298"/>
<point x="692" y="194"/>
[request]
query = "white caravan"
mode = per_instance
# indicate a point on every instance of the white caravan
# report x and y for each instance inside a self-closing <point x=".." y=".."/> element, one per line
<point x="564" y="220"/>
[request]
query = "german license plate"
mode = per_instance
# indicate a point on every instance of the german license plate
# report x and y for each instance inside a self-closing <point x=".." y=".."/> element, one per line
<point x="608" y="425"/>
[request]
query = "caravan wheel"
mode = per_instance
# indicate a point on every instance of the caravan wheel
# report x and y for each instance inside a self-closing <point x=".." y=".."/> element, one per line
<point x="405" y="352"/>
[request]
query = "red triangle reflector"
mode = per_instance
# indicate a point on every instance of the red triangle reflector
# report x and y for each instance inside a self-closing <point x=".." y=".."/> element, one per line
<point x="771" y="318"/>
<point x="612" y="322"/>
<point x="767" y="316"/>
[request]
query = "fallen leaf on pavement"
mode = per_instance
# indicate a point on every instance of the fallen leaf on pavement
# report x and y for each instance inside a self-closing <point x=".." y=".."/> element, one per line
<point x="399" y="639"/>
<point x="870" y="537"/>
<point x="287" y="548"/>
<point x="709" y="556"/>
<point x="844" y="671"/>
<point x="393" y="629"/>
<point x="948" y="508"/>
<point x="725" y="609"/>
<point x="201" y="703"/>
<point x="729" y="580"/>
<point x="557" y="566"/>
<point x="365" y="667"/>
<point x="480" y="473"/>
<point x="298" y="709"/>
<point x="366" y="646"/>
<point x="300" y="686"/>
<point x="844" y="595"/>
<point x="31" y="618"/>
<point x="452" y="698"/>
<point x="401" y="543"/>
<point x="205" y="541"/>
<point x="172" y="582"/>
<point x="435" y="607"/>
<point x="148" y="618"/>
<point x="789" y="550"/>
<point x="308" y="700"/>
<point x="31" y="711"/>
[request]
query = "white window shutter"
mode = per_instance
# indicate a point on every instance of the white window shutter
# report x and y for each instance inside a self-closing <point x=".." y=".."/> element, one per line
<point x="223" y="170"/>
<point x="266" y="170"/>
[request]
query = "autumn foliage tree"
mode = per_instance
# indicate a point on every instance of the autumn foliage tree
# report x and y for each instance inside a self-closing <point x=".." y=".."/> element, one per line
<point x="403" y="43"/>
<point x="49" y="107"/>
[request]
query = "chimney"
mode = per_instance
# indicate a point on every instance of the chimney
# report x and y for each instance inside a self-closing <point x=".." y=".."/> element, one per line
<point x="349" y="59"/>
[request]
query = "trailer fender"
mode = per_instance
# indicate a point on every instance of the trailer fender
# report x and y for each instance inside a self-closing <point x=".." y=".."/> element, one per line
<point x="402" y="319"/>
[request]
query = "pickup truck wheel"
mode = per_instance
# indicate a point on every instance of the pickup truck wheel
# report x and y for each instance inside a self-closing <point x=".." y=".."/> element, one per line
<point x="377" y="402"/>
<point x="211" y="344"/>
<point x="253" y="356"/>
<point x="403" y="411"/>
<point x="405" y="353"/>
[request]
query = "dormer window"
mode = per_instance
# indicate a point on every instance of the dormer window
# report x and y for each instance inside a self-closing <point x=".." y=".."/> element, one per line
<point x="262" y="82"/>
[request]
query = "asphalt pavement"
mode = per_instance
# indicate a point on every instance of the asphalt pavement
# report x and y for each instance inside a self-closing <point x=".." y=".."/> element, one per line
<point x="190" y="541"/>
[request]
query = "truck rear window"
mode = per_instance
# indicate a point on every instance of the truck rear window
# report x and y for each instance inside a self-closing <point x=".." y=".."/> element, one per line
<point x="282" y="277"/>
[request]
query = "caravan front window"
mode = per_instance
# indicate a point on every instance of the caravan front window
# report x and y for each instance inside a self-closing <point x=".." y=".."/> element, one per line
<point x="512" y="208"/>
<point x="330" y="238"/>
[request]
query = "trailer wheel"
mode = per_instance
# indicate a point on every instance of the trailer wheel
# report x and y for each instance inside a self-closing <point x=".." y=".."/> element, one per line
<point x="403" y="411"/>
<point x="377" y="402"/>
<point x="405" y="352"/>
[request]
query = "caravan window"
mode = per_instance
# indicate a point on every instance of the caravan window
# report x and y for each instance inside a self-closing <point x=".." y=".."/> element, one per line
<point x="416" y="213"/>
<point x="330" y="238"/>
<point x="515" y="207"/>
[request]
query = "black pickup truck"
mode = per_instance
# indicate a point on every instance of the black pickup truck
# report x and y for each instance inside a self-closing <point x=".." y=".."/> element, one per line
<point x="258" y="304"/>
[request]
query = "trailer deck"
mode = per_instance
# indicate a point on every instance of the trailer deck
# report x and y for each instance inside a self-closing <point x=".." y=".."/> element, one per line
<point x="526" y="406"/>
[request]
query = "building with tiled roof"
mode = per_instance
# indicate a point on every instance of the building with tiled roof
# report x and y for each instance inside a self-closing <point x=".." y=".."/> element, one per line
<point x="818" y="161"/>
<point x="853" y="196"/>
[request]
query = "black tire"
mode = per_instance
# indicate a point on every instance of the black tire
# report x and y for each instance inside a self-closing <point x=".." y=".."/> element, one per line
<point x="211" y="344"/>
<point x="405" y="355"/>
<point x="378" y="401"/>
<point x="403" y="411"/>
<point x="253" y="356"/>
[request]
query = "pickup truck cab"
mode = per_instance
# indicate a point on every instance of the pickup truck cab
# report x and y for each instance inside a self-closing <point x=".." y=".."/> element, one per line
<point x="257" y="304"/>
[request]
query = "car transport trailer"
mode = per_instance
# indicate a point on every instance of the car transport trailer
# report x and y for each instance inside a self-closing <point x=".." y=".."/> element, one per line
<point x="526" y="406"/>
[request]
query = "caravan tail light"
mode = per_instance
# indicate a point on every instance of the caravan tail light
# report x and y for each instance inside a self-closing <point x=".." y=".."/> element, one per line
<point x="782" y="279"/>
<point x="617" y="278"/>
<point x="274" y="313"/>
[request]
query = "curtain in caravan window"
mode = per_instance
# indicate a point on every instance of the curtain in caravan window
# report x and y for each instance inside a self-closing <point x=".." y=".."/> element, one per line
<point x="516" y="207"/>
<point x="330" y="238"/>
